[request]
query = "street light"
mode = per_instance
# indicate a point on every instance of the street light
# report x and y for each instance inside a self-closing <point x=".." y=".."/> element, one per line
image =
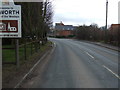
<point x="106" y="13"/>
<point x="106" y="21"/>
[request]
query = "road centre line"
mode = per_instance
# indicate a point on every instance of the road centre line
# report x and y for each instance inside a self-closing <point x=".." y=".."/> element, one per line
<point x="89" y="55"/>
<point x="111" y="71"/>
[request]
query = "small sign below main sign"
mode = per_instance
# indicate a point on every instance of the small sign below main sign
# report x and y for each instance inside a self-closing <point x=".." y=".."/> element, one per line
<point x="10" y="21"/>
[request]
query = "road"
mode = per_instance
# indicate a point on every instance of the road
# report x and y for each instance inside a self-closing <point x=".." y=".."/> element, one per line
<point x="76" y="64"/>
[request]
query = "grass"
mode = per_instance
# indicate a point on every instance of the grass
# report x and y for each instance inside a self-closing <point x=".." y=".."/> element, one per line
<point x="12" y="74"/>
<point x="8" y="55"/>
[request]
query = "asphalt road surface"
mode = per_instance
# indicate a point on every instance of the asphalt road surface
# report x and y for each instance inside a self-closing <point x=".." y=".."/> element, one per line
<point x="76" y="64"/>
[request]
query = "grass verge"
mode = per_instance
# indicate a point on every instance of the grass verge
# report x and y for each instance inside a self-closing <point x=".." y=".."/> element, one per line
<point x="11" y="75"/>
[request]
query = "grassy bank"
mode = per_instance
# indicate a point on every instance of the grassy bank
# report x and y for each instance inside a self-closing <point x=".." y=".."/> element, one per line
<point x="11" y="75"/>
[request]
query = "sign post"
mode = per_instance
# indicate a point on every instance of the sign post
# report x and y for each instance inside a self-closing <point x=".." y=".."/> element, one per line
<point x="10" y="24"/>
<point x="10" y="27"/>
<point x="0" y="59"/>
<point x="0" y="63"/>
<point x="17" y="52"/>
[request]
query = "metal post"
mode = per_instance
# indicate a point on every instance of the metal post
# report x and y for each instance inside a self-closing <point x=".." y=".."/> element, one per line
<point x="106" y="13"/>
<point x="0" y="58"/>
<point x="119" y="12"/>
<point x="31" y="47"/>
<point x="17" y="53"/>
<point x="25" y="49"/>
<point x="106" y="21"/>
<point x="0" y="63"/>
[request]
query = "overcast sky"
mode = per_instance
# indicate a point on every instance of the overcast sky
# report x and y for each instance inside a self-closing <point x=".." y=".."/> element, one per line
<point x="79" y="12"/>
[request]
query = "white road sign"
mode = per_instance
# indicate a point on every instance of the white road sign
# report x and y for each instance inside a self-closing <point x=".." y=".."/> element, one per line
<point x="10" y="21"/>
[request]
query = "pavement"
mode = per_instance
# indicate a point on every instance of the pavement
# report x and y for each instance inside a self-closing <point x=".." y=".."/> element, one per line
<point x="76" y="64"/>
<point x="104" y="45"/>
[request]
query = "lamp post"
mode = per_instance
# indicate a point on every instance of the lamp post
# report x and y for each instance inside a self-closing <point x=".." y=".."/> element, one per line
<point x="106" y="22"/>
<point x="106" y="13"/>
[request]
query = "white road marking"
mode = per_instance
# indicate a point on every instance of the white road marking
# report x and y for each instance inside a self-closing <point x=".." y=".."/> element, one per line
<point x="89" y="55"/>
<point x="54" y="44"/>
<point x="34" y="66"/>
<point x="111" y="71"/>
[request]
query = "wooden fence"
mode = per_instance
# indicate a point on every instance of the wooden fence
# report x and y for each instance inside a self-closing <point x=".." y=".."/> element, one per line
<point x="9" y="52"/>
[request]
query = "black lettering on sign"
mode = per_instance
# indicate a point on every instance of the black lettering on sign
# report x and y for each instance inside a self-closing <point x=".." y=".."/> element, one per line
<point x="9" y="12"/>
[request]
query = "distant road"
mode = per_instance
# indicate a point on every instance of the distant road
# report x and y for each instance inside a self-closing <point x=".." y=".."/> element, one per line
<point x="76" y="64"/>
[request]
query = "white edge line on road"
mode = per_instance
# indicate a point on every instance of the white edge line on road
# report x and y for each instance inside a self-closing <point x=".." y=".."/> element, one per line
<point x="30" y="71"/>
<point x="89" y="55"/>
<point x="35" y="65"/>
<point x="54" y="45"/>
<point x="111" y="71"/>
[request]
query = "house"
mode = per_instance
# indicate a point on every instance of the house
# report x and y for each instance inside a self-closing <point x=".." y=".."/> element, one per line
<point x="64" y="33"/>
<point x="114" y="33"/>
<point x="115" y="26"/>
<point x="64" y="30"/>
<point x="114" y="29"/>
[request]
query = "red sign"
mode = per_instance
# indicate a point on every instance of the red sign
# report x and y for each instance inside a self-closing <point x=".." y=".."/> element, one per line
<point x="9" y="26"/>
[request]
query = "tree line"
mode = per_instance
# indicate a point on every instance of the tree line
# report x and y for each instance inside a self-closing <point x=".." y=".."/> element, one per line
<point x="93" y="33"/>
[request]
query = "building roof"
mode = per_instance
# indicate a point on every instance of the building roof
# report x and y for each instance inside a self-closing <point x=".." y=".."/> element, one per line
<point x="59" y="23"/>
<point x="61" y="26"/>
<point x="115" y="26"/>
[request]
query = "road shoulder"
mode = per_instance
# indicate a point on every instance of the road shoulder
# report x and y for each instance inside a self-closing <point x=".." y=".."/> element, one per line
<point x="115" y="48"/>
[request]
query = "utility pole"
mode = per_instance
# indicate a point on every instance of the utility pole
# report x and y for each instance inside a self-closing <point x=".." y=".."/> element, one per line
<point x="106" y="37"/>
<point x="106" y="13"/>
<point x="118" y="22"/>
